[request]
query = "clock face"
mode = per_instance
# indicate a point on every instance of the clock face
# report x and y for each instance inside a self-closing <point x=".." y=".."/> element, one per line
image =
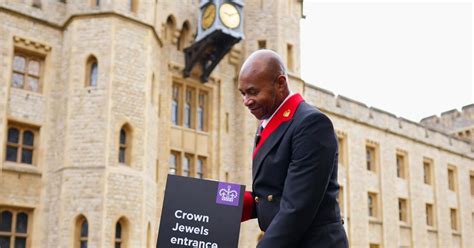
<point x="208" y="16"/>
<point x="229" y="15"/>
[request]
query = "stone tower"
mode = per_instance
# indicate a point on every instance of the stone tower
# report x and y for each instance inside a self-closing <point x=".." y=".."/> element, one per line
<point x="95" y="112"/>
<point x="100" y="112"/>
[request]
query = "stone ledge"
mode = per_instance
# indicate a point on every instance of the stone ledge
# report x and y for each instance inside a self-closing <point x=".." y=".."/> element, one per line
<point x="21" y="168"/>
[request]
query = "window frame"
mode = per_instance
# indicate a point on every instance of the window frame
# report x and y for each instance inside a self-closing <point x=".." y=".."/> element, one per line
<point x="177" y="167"/>
<point x="127" y="146"/>
<point x="179" y="104"/>
<point x="190" y="116"/>
<point x="373" y="167"/>
<point x="454" y="219"/>
<point x="340" y="200"/>
<point x="179" y="100"/>
<point x="13" y="234"/>
<point x="22" y="128"/>
<point x="193" y="163"/>
<point x="29" y="56"/>
<point x="190" y="170"/>
<point x="95" y="3"/>
<point x="403" y="210"/>
<point x="133" y="6"/>
<point x="452" y="178"/>
<point x="428" y="177"/>
<point x="342" y="148"/>
<point x="373" y="206"/>
<point x="471" y="181"/>
<point x="88" y="78"/>
<point x="290" y="57"/>
<point x="430" y="215"/>
<point x="78" y="238"/>
<point x="203" y="167"/>
<point x="124" y="232"/>
<point x="402" y="168"/>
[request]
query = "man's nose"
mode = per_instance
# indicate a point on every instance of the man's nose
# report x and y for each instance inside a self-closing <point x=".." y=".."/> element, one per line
<point x="247" y="101"/>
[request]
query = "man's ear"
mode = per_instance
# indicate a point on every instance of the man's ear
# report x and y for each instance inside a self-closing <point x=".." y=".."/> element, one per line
<point x="282" y="83"/>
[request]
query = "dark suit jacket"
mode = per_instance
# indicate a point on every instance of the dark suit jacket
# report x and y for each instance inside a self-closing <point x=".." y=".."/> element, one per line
<point x="295" y="180"/>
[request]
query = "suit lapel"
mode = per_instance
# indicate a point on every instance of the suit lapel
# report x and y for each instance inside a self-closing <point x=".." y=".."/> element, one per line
<point x="267" y="147"/>
<point x="274" y="131"/>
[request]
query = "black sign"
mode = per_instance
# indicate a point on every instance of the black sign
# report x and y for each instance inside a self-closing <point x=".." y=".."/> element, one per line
<point x="200" y="213"/>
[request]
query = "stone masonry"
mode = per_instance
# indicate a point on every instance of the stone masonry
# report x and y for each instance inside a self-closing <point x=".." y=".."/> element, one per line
<point x="76" y="173"/>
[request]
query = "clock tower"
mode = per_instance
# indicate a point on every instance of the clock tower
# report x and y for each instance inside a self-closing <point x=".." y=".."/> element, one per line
<point x="220" y="27"/>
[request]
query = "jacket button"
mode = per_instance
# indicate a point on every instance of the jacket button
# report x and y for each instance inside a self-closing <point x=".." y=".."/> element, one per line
<point x="257" y="200"/>
<point x="270" y="198"/>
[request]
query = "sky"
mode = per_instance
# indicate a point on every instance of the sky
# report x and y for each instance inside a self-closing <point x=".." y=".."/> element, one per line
<point x="412" y="58"/>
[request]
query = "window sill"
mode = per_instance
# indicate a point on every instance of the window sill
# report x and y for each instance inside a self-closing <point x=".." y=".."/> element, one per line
<point x="189" y="129"/>
<point x="404" y="225"/>
<point x="21" y="168"/>
<point x="24" y="91"/>
<point x="456" y="233"/>
<point x="373" y="220"/>
<point x="432" y="229"/>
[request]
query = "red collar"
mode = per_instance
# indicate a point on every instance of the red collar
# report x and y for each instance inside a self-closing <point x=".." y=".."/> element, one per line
<point x="284" y="114"/>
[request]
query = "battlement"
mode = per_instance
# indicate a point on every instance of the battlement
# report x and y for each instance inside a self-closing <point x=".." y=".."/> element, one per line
<point x="452" y="121"/>
<point x="360" y="113"/>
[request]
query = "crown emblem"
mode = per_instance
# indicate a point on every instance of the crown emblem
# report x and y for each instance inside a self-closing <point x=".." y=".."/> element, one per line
<point x="287" y="113"/>
<point x="228" y="194"/>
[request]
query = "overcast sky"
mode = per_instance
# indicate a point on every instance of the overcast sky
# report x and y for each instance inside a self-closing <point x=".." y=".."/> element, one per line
<point x="413" y="58"/>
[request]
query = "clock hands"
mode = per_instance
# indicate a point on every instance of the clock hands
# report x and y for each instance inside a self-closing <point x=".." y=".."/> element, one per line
<point x="207" y="15"/>
<point x="230" y="13"/>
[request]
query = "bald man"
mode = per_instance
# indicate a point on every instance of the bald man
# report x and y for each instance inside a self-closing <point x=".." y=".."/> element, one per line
<point x="294" y="164"/>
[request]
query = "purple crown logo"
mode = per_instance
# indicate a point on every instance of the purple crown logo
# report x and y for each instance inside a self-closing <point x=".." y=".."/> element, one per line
<point x="228" y="194"/>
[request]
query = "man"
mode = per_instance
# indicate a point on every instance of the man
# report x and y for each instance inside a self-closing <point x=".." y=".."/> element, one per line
<point x="294" y="162"/>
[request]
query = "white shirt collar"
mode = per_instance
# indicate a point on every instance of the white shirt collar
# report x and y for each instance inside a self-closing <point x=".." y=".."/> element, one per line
<point x="266" y="121"/>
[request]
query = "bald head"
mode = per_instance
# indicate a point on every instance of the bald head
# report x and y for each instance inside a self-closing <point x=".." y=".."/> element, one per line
<point x="264" y="62"/>
<point x="263" y="83"/>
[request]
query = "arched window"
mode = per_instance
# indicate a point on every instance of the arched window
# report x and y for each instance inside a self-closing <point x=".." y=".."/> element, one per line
<point x="184" y="36"/>
<point x="13" y="228"/>
<point x="118" y="235"/>
<point x="125" y="144"/>
<point x="82" y="233"/>
<point x="133" y="5"/>
<point x="170" y="28"/>
<point x="92" y="71"/>
<point x="121" y="233"/>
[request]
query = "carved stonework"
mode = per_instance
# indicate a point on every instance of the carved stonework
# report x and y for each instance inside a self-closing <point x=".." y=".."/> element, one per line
<point x="30" y="44"/>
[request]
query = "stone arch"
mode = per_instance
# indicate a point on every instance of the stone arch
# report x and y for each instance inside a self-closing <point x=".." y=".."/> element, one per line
<point x="184" y="36"/>
<point x="170" y="28"/>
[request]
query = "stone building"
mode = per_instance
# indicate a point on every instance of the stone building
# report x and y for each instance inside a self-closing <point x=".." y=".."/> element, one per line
<point x="95" y="112"/>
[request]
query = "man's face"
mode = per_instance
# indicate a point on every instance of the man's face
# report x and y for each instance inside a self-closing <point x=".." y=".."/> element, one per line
<point x="260" y="94"/>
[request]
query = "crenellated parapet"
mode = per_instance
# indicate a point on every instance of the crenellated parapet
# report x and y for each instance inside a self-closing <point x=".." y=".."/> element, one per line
<point x="360" y="113"/>
<point x="454" y="122"/>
